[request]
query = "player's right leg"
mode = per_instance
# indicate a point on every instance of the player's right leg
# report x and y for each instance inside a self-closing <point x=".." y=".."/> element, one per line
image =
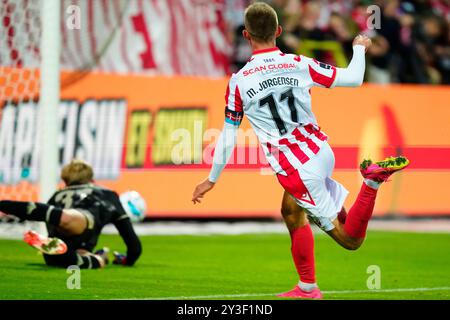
<point x="70" y="221"/>
<point x="351" y="233"/>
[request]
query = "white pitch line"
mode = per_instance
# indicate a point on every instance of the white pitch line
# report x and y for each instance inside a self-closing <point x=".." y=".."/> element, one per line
<point x="244" y="295"/>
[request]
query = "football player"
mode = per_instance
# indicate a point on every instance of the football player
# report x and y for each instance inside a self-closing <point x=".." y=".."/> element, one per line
<point x="273" y="90"/>
<point x="75" y="217"/>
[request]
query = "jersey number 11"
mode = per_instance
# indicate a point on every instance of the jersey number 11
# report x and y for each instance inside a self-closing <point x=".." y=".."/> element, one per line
<point x="270" y="101"/>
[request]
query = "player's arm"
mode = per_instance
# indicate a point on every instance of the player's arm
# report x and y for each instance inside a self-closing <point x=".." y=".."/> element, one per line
<point x="226" y="142"/>
<point x="327" y="76"/>
<point x="353" y="75"/>
<point x="129" y="236"/>
<point x="125" y="228"/>
<point x="222" y="153"/>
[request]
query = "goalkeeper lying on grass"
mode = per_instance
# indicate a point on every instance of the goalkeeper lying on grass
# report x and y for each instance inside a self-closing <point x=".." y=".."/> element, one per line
<point x="75" y="217"/>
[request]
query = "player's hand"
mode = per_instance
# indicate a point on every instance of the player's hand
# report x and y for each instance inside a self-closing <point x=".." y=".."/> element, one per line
<point x="119" y="258"/>
<point x="201" y="190"/>
<point x="363" y="41"/>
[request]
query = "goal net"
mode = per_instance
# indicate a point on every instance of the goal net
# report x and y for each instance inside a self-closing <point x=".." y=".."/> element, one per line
<point x="29" y="75"/>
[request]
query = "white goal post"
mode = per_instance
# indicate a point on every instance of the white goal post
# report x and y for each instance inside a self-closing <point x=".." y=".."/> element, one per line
<point x="50" y="48"/>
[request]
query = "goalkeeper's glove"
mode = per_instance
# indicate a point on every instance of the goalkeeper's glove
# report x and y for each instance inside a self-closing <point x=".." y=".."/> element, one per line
<point x="119" y="258"/>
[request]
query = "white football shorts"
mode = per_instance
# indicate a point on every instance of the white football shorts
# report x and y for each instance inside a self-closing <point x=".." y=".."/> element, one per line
<point x="313" y="189"/>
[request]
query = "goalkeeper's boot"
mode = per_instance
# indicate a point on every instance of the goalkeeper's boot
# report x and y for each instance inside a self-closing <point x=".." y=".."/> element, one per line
<point x="104" y="253"/>
<point x="381" y="171"/>
<point x="51" y="246"/>
<point x="119" y="258"/>
<point x="298" y="293"/>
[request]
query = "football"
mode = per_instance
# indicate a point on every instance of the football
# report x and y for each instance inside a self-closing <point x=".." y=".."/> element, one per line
<point x="134" y="205"/>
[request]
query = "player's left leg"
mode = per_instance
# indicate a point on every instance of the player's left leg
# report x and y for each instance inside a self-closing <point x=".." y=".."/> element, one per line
<point x="302" y="249"/>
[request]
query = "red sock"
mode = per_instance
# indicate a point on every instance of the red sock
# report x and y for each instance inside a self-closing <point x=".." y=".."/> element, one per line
<point x="360" y="213"/>
<point x="303" y="253"/>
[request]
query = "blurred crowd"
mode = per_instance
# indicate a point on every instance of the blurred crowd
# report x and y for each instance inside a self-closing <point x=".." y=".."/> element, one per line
<point x="411" y="39"/>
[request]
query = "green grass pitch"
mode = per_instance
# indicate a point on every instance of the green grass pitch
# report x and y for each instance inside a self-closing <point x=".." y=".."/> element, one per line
<point x="225" y="267"/>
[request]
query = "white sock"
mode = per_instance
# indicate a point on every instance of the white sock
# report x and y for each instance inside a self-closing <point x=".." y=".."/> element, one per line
<point x="308" y="287"/>
<point x="372" y="184"/>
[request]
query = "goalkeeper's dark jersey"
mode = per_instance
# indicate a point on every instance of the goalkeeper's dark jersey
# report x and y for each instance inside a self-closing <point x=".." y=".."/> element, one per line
<point x="100" y="207"/>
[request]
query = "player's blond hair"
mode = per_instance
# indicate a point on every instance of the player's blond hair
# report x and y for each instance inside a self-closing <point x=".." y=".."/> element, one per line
<point x="77" y="172"/>
<point x="261" y="22"/>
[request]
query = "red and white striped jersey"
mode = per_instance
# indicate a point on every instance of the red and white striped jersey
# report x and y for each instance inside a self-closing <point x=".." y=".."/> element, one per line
<point x="273" y="91"/>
